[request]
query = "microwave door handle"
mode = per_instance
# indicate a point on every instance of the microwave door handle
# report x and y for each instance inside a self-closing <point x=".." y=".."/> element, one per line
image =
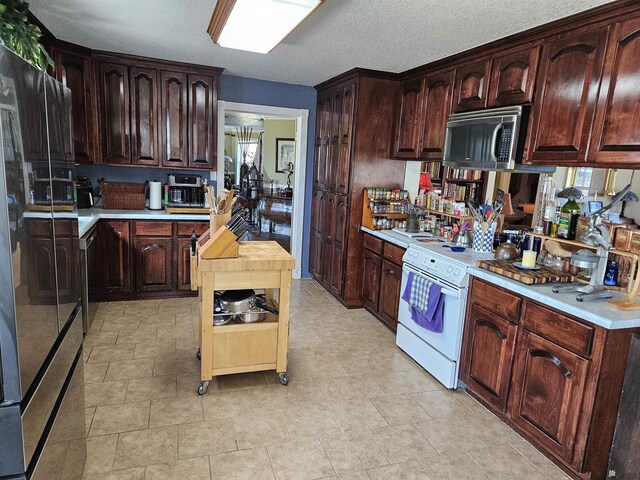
<point x="494" y="137"/>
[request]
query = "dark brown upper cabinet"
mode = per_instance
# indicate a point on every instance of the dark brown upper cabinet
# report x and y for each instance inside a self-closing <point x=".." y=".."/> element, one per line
<point x="472" y="86"/>
<point x="74" y="70"/>
<point x="323" y="133"/>
<point x="436" y="108"/>
<point x="201" y="113"/>
<point x="616" y="131"/>
<point x="564" y="104"/>
<point x="145" y="147"/>
<point x="113" y="80"/>
<point x="408" y="134"/>
<point x="513" y="77"/>
<point x="174" y="119"/>
<point x="341" y="153"/>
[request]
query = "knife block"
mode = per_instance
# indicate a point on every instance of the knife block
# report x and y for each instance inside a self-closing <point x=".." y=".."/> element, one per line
<point x="221" y="244"/>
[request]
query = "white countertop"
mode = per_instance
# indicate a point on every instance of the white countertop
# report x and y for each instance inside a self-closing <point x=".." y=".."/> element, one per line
<point x="597" y="311"/>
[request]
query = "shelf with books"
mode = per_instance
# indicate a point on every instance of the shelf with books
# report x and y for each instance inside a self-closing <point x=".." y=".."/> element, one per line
<point x="464" y="185"/>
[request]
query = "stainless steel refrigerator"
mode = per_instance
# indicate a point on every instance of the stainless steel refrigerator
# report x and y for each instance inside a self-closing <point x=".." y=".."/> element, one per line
<point x="42" y="423"/>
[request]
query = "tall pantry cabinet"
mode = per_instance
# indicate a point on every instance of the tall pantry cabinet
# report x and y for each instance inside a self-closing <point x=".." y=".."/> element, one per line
<point x="353" y="149"/>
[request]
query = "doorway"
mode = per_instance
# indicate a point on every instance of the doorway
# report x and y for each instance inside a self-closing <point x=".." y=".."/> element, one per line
<point x="262" y="152"/>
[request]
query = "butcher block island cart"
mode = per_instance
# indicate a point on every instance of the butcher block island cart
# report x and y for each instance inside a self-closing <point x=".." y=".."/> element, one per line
<point x="244" y="347"/>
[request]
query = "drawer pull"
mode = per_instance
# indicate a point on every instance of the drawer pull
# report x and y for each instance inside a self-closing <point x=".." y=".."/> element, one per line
<point x="391" y="272"/>
<point x="553" y="359"/>
<point x="492" y="326"/>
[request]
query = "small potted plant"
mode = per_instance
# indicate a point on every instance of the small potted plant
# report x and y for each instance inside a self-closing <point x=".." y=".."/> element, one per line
<point x="20" y="36"/>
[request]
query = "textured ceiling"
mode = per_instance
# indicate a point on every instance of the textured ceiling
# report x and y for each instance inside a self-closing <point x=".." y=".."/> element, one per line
<point x="391" y="35"/>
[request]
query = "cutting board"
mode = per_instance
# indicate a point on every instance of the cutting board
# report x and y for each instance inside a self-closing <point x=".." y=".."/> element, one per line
<point x="529" y="277"/>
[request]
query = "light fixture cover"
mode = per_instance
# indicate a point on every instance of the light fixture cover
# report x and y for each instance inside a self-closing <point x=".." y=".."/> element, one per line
<point x="259" y="25"/>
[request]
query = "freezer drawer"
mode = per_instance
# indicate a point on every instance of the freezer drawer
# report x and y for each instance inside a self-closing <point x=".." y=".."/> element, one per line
<point x="38" y="410"/>
<point x="65" y="448"/>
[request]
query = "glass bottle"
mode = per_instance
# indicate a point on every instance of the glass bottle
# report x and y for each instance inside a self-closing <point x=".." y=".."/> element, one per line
<point x="568" y="221"/>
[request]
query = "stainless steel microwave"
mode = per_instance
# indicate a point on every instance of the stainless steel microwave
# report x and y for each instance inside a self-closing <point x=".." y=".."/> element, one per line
<point x="488" y="140"/>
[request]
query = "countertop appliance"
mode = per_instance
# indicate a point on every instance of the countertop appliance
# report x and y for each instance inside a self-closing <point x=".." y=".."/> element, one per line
<point x="488" y="140"/>
<point x="41" y="364"/>
<point x="438" y="353"/>
<point x="87" y="274"/>
<point x="186" y="191"/>
<point x="53" y="184"/>
<point x="84" y="191"/>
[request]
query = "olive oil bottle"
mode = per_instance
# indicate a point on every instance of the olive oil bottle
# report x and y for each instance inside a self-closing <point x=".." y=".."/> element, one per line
<point x="568" y="220"/>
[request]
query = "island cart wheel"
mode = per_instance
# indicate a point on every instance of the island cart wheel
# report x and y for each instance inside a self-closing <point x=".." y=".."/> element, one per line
<point x="284" y="378"/>
<point x="199" y="355"/>
<point x="203" y="387"/>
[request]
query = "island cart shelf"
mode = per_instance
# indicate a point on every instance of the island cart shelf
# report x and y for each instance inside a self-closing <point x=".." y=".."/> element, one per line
<point x="244" y="347"/>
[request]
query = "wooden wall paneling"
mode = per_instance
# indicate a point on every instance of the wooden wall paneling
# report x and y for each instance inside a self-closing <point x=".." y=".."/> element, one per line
<point x="513" y="77"/>
<point x="616" y="131"/>
<point x="173" y="120"/>
<point x="437" y="95"/>
<point x="567" y="85"/>
<point x="472" y="86"/>
<point x="202" y="115"/>
<point x="145" y="147"/>
<point x="113" y="80"/>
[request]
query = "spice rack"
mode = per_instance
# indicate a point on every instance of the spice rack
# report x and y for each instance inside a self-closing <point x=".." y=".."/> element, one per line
<point x="374" y="208"/>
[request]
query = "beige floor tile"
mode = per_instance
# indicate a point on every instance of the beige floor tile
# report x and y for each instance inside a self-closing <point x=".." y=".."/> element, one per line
<point x="226" y="404"/>
<point x="150" y="388"/>
<point x="360" y="386"/>
<point x="106" y="393"/>
<point x="88" y="418"/>
<point x="440" y="404"/>
<point x="100" y="454"/>
<point x="128" y="474"/>
<point x="401" y="443"/>
<point x="95" y="372"/>
<point x="175" y="365"/>
<point x="468" y="401"/>
<point x="251" y="464"/>
<point x="359" y="475"/>
<point x="539" y="461"/>
<point x="396" y="384"/>
<point x="489" y="429"/>
<point x="114" y="324"/>
<point x="504" y="462"/>
<point x="448" y="435"/>
<point x="187" y="385"/>
<point x="128" y="369"/>
<point x="424" y="379"/>
<point x="120" y="418"/>
<point x="322" y="393"/>
<point x="192" y="469"/>
<point x="139" y="334"/>
<point x="174" y="411"/>
<point x="164" y="348"/>
<point x="300" y="460"/>
<point x="273" y="397"/>
<point x="146" y="447"/>
<point x="106" y="353"/>
<point x="260" y="429"/>
<point x="166" y="319"/>
<point x="358" y="414"/>
<point x="453" y="466"/>
<point x="86" y="353"/>
<point x="306" y="422"/>
<point x="240" y="381"/>
<point x="94" y="338"/>
<point x="205" y="438"/>
<point x="353" y="451"/>
<point x="400" y="409"/>
<point x="400" y="471"/>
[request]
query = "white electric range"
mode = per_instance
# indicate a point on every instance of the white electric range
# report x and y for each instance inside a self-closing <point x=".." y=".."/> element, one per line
<point x="438" y="353"/>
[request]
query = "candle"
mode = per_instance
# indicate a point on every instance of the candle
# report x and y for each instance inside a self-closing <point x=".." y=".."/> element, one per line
<point x="528" y="258"/>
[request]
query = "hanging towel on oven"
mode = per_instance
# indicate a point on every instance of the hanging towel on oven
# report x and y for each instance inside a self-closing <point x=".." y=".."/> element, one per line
<point x="426" y="301"/>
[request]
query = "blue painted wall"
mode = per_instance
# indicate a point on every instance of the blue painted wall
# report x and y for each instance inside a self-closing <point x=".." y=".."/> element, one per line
<point x="275" y="94"/>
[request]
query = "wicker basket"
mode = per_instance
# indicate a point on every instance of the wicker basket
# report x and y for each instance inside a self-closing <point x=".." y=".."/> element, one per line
<point x="122" y="196"/>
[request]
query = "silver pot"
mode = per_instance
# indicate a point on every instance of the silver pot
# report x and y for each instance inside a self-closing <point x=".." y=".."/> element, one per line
<point x="507" y="251"/>
<point x="238" y="301"/>
<point x="464" y="238"/>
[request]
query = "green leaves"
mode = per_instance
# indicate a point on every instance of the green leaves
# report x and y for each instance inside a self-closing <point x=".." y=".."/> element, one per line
<point x="17" y="34"/>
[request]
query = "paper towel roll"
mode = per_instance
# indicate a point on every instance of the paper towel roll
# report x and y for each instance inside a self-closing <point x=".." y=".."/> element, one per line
<point x="155" y="195"/>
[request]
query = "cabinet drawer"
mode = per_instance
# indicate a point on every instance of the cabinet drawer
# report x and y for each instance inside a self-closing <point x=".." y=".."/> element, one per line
<point x="153" y="229"/>
<point x="373" y="243"/>
<point x="496" y="300"/>
<point x="563" y="331"/>
<point x="393" y="253"/>
<point x="185" y="228"/>
<point x="42" y="228"/>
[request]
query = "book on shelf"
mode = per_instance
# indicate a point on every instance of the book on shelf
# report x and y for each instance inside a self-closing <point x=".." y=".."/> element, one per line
<point x="461" y="193"/>
<point x="462" y="174"/>
<point x="433" y="169"/>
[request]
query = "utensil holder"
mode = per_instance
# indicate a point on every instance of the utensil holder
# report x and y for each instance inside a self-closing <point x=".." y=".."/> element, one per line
<point x="217" y="221"/>
<point x="483" y="240"/>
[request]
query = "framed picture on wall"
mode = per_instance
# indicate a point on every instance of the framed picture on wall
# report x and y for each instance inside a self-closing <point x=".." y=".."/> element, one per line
<point x="285" y="153"/>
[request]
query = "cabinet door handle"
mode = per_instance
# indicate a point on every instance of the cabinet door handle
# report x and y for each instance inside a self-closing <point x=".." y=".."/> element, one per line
<point x="553" y="359"/>
<point x="390" y="271"/>
<point x="492" y="326"/>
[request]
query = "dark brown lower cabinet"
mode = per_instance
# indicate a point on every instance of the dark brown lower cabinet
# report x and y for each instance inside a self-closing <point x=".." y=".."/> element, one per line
<point x="554" y="378"/>
<point x="381" y="279"/>
<point x="154" y="264"/>
<point x="114" y="257"/>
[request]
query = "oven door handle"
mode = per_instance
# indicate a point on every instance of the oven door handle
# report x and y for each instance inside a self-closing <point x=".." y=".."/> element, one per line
<point x="445" y="290"/>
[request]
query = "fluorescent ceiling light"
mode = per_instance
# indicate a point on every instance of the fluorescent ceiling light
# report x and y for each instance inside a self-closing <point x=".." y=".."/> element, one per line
<point x="257" y="25"/>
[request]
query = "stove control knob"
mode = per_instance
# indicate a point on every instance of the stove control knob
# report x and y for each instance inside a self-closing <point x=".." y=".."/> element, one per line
<point x="449" y="270"/>
<point x="456" y="272"/>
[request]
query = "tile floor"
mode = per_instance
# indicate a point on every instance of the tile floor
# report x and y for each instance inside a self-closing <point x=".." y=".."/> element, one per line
<point x="356" y="406"/>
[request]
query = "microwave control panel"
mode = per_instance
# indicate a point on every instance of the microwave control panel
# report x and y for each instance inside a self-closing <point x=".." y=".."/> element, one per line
<point x="504" y="145"/>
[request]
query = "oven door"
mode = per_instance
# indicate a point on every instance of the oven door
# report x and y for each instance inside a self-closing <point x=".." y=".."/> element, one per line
<point x="449" y="341"/>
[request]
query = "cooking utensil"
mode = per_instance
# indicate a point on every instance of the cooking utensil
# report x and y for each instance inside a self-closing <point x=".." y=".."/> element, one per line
<point x="220" y="315"/>
<point x="455" y="248"/>
<point x="238" y="301"/>
<point x="464" y="238"/>
<point x="507" y="251"/>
